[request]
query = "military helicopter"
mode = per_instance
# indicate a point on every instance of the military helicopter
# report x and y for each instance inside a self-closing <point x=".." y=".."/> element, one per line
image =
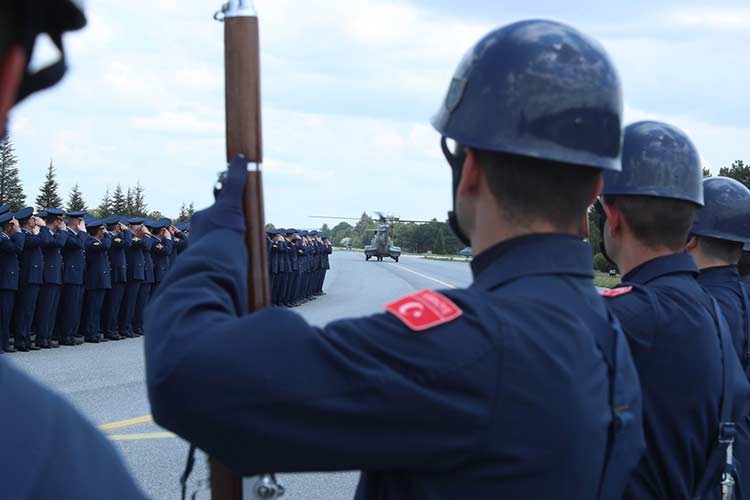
<point x="381" y="244"/>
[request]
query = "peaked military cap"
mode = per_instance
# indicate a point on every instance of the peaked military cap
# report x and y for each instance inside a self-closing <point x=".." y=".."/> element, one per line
<point x="135" y="220"/>
<point x="156" y="224"/>
<point x="43" y="214"/>
<point x="5" y="217"/>
<point x="54" y="212"/>
<point x="5" y="207"/>
<point x="76" y="214"/>
<point x="24" y="213"/>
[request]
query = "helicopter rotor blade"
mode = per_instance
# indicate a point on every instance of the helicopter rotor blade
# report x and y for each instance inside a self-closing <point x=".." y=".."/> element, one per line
<point x="337" y="218"/>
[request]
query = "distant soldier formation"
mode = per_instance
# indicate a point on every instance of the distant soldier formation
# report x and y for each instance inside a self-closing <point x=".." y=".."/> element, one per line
<point x="69" y="278"/>
<point x="298" y="261"/>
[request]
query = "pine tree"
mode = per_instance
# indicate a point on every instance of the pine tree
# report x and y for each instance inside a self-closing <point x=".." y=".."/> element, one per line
<point x="11" y="190"/>
<point x="139" y="208"/>
<point x="48" y="195"/>
<point x="75" y="200"/>
<point x="105" y="207"/>
<point x="129" y="202"/>
<point x="119" y="203"/>
<point x="186" y="212"/>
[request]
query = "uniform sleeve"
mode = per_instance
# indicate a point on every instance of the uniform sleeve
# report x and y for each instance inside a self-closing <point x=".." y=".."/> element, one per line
<point x="95" y="246"/>
<point x="46" y="429"/>
<point x="34" y="240"/>
<point x="76" y="241"/>
<point x="58" y="239"/>
<point x="267" y="391"/>
<point x="14" y="244"/>
<point x="637" y="318"/>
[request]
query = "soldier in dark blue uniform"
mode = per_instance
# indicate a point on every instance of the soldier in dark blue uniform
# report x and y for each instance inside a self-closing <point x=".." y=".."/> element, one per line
<point x="98" y="279"/>
<point x="12" y="241"/>
<point x="327" y="250"/>
<point x="274" y="264"/>
<point x="291" y="290"/>
<point x="122" y="238"/>
<point x="180" y="235"/>
<point x="71" y="295"/>
<point x="135" y="272"/>
<point x="49" y="294"/>
<point x="48" y="449"/>
<point x="30" y="278"/>
<point x="161" y="252"/>
<point x="720" y="230"/>
<point x="144" y="292"/>
<point x="675" y="333"/>
<point x="520" y="386"/>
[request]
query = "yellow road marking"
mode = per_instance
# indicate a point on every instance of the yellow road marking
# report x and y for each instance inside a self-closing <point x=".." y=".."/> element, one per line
<point x="427" y="277"/>
<point x="128" y="422"/>
<point x="141" y="436"/>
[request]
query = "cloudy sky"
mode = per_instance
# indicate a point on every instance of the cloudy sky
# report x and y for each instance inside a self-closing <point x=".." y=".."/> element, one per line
<point x="348" y="89"/>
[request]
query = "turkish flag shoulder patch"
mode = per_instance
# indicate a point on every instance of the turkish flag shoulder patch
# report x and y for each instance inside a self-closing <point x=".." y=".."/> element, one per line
<point x="616" y="292"/>
<point x="424" y="310"/>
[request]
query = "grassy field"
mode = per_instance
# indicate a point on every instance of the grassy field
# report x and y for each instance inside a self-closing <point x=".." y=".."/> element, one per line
<point x="604" y="280"/>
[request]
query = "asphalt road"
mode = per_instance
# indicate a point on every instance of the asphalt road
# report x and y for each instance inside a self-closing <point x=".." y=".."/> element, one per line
<point x="106" y="381"/>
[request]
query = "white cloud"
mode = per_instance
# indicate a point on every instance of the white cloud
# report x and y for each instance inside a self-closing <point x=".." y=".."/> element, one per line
<point x="715" y="17"/>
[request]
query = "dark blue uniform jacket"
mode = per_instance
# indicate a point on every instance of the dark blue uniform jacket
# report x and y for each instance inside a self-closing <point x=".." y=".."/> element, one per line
<point x="726" y="286"/>
<point x="53" y="263"/>
<point x="134" y="260"/>
<point x="511" y="400"/>
<point x="10" y="249"/>
<point x="162" y="253"/>
<point x="668" y="320"/>
<point x="98" y="274"/>
<point x="148" y="262"/>
<point x="32" y="262"/>
<point x="53" y="452"/>
<point x="74" y="262"/>
<point x="117" y="256"/>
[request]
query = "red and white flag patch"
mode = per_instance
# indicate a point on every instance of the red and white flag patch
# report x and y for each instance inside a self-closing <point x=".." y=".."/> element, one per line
<point x="423" y="310"/>
<point x="616" y="292"/>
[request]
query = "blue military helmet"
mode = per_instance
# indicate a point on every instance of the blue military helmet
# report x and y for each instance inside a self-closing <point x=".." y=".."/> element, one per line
<point x="539" y="89"/>
<point x="657" y="160"/>
<point x="5" y="207"/>
<point x="726" y="214"/>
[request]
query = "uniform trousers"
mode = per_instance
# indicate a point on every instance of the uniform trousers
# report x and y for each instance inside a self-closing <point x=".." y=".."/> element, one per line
<point x="127" y="310"/>
<point x="144" y="295"/>
<point x="46" y="312"/>
<point x="70" y="312"/>
<point x="112" y="304"/>
<point x="23" y="315"/>
<point x="92" y="313"/>
<point x="7" y="300"/>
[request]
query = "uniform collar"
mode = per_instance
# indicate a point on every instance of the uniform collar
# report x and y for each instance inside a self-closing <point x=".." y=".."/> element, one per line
<point x="668" y="264"/>
<point x="532" y="255"/>
<point x="720" y="273"/>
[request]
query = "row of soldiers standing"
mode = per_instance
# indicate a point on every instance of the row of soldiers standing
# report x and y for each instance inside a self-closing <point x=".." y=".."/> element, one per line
<point x="298" y="261"/>
<point x="70" y="278"/>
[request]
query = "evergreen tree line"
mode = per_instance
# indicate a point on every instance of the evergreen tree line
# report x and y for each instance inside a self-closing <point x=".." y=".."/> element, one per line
<point x="129" y="201"/>
<point x="738" y="170"/>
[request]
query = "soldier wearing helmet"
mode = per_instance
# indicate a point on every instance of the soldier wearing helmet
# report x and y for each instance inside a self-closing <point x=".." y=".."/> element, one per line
<point x="49" y="449"/>
<point x="694" y="391"/>
<point x="521" y="386"/>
